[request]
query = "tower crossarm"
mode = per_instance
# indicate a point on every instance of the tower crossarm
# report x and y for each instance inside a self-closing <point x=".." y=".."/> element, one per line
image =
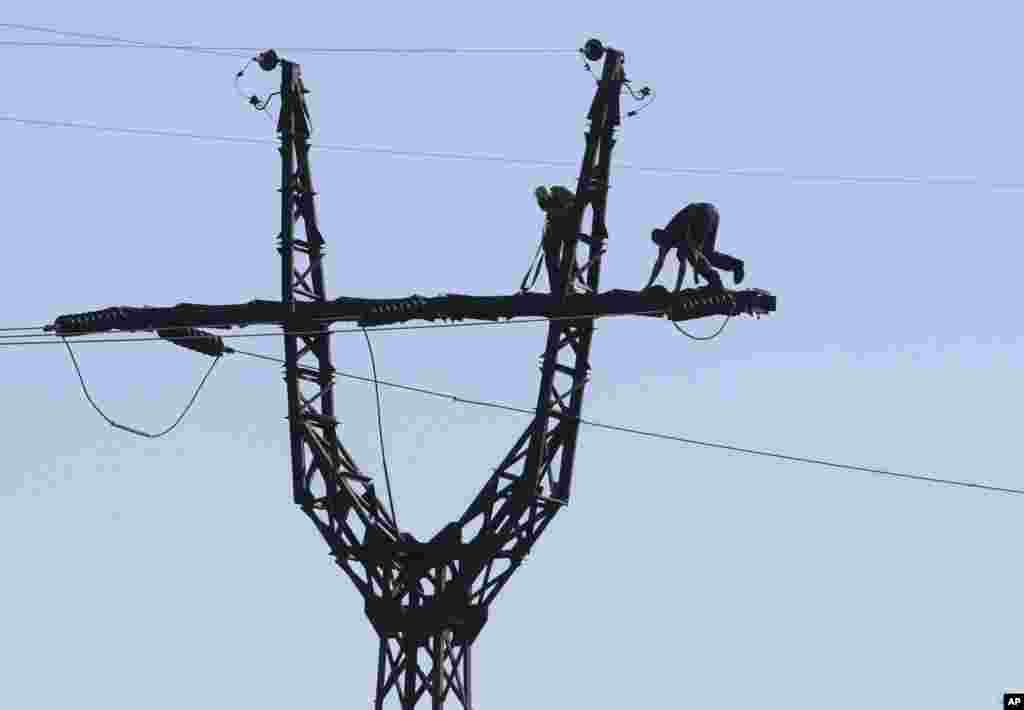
<point x="687" y="304"/>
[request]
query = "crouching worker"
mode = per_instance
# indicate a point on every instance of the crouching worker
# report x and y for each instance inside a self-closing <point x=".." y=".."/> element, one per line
<point x="692" y="233"/>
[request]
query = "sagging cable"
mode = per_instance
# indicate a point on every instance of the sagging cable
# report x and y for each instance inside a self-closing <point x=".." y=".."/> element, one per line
<point x="714" y="335"/>
<point x="380" y="429"/>
<point x="125" y="427"/>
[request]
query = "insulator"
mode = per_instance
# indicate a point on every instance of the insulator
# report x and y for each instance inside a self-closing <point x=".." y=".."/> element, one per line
<point x="267" y="60"/>
<point x="195" y="339"/>
<point x="92" y="321"/>
<point x="593" y="50"/>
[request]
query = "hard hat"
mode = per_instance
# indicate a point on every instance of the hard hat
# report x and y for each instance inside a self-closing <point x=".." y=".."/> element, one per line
<point x="562" y="195"/>
<point x="543" y="197"/>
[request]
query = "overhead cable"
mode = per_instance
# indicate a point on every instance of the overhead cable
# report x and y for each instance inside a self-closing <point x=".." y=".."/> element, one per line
<point x="26" y="327"/>
<point x="380" y="429"/>
<point x="670" y="437"/>
<point x="714" y="335"/>
<point x="766" y="173"/>
<point x="235" y="51"/>
<point x="113" y="42"/>
<point x="121" y="42"/>
<point x="51" y="338"/>
<point x="125" y="427"/>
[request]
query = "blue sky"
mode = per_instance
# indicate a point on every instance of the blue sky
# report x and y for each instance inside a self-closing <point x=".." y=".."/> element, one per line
<point x="177" y="572"/>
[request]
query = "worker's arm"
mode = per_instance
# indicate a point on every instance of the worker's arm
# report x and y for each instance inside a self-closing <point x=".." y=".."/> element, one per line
<point x="682" y="272"/>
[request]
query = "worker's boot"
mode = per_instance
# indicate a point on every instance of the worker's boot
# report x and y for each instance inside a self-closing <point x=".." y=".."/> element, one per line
<point x="737" y="273"/>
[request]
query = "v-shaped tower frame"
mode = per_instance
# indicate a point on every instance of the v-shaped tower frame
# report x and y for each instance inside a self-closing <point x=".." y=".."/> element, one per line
<point x="428" y="601"/>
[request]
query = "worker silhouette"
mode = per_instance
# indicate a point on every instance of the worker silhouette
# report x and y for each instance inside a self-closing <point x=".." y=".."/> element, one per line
<point x="557" y="203"/>
<point x="692" y="233"/>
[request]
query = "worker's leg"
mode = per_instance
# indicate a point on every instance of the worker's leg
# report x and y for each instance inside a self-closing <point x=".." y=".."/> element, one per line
<point x="727" y="263"/>
<point x="552" y="260"/>
<point x="700" y="266"/>
<point x="703" y="267"/>
<point x="701" y="236"/>
<point x="552" y="254"/>
<point x="716" y="258"/>
<point x="681" y="253"/>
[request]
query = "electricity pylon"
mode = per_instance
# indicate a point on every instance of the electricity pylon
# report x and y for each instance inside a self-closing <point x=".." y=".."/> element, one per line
<point x="428" y="601"/>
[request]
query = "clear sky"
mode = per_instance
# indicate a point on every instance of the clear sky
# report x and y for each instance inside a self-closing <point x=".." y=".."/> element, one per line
<point x="177" y="573"/>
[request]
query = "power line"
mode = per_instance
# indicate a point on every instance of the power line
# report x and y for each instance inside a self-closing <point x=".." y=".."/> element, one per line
<point x="714" y="335"/>
<point x="51" y="338"/>
<point x="233" y="51"/>
<point x="122" y="42"/>
<point x="380" y="429"/>
<point x="27" y="327"/>
<point x="767" y="173"/>
<point x="670" y="437"/>
<point x="113" y="42"/>
<point x="12" y="44"/>
<point x="151" y="132"/>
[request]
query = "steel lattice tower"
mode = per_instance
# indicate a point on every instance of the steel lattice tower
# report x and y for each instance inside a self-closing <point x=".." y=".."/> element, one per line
<point x="428" y="601"/>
